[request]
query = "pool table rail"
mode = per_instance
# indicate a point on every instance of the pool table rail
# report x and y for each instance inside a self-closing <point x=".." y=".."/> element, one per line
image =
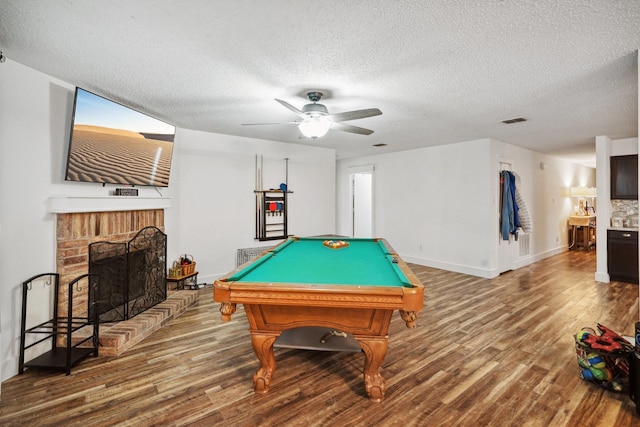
<point x="393" y="298"/>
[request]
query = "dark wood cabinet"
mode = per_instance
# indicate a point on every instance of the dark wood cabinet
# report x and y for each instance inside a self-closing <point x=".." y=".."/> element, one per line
<point x="622" y="255"/>
<point x="624" y="177"/>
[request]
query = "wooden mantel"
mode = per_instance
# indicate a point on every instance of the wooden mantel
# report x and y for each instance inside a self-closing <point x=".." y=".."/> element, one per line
<point x="73" y="204"/>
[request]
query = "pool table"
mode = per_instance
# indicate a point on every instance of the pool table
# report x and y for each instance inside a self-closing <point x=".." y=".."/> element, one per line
<point x="353" y="288"/>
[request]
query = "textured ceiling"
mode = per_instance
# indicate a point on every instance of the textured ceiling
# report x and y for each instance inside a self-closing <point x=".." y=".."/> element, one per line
<point x="440" y="71"/>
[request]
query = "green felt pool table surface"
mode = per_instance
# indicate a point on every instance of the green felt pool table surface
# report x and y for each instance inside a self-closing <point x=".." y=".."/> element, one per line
<point x="365" y="262"/>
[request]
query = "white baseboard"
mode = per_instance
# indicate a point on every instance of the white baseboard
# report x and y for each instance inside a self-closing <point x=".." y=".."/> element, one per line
<point x="524" y="261"/>
<point x="483" y="272"/>
<point x="458" y="268"/>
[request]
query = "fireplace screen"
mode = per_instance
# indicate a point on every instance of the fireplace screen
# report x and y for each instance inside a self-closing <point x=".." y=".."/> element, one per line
<point x="133" y="275"/>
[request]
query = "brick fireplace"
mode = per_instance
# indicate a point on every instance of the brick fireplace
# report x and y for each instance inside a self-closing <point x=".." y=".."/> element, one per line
<point x="74" y="232"/>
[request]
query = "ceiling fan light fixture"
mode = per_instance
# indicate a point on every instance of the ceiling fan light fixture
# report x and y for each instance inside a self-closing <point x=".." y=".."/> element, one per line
<point x="315" y="126"/>
<point x="315" y="121"/>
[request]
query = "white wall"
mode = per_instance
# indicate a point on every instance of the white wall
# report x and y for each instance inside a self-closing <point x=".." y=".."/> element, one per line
<point x="31" y="129"/>
<point x="438" y="206"/>
<point x="426" y="203"/>
<point x="215" y="203"/>
<point x="211" y="191"/>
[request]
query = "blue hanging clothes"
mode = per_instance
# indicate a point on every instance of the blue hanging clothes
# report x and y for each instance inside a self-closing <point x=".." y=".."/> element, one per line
<point x="509" y="220"/>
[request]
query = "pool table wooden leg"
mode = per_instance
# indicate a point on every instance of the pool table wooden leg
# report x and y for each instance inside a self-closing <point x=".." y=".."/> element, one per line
<point x="409" y="317"/>
<point x="226" y="310"/>
<point x="263" y="347"/>
<point x="375" y="349"/>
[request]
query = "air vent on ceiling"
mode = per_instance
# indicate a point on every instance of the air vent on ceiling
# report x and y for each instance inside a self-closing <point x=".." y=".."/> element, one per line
<point x="516" y="120"/>
<point x="380" y="145"/>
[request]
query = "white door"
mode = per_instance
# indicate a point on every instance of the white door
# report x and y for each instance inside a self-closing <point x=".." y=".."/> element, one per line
<point x="361" y="203"/>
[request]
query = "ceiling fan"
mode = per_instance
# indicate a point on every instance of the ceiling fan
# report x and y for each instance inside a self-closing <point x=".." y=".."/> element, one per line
<point x="316" y="120"/>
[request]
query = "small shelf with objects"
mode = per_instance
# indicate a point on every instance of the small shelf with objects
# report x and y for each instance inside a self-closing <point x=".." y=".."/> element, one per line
<point x="183" y="274"/>
<point x="271" y="208"/>
<point x="70" y="336"/>
<point x="186" y="281"/>
<point x="271" y="214"/>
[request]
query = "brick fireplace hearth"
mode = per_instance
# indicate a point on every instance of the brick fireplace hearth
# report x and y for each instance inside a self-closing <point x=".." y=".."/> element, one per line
<point x="74" y="232"/>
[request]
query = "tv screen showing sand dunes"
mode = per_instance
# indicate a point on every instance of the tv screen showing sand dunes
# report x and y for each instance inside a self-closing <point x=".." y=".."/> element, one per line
<point x="114" y="144"/>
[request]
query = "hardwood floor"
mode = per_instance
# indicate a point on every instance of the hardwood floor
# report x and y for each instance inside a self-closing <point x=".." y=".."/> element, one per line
<point x="485" y="353"/>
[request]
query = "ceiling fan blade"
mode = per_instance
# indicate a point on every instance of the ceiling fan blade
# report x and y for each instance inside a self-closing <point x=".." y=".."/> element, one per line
<point x="292" y="108"/>
<point x="352" y="129"/>
<point x="356" y="114"/>
<point x="278" y="123"/>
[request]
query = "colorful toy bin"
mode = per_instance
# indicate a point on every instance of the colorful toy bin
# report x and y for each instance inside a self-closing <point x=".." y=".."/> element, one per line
<point x="604" y="358"/>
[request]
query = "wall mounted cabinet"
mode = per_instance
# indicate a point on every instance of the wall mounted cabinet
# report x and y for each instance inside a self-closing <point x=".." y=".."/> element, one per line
<point x="624" y="177"/>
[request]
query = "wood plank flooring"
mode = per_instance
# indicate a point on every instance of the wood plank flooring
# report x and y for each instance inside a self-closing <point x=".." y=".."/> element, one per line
<point x="485" y="353"/>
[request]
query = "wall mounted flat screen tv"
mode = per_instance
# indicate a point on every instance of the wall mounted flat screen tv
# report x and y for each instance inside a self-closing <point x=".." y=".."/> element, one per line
<point x="114" y="144"/>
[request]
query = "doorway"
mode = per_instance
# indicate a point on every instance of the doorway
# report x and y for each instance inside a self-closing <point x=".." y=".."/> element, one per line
<point x="361" y="201"/>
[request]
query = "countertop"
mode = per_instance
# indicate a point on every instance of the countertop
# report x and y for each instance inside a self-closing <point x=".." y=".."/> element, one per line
<point x="582" y="220"/>
<point x="624" y="228"/>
